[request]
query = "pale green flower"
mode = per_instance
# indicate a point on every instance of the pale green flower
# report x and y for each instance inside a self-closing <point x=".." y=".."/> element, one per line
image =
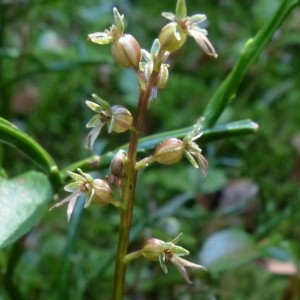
<point x="158" y="250"/>
<point x="96" y="190"/>
<point x="117" y="117"/>
<point x="182" y="25"/>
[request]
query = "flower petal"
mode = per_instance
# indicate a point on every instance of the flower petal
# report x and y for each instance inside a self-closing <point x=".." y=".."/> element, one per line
<point x="94" y="106"/>
<point x="168" y="15"/>
<point x="162" y="262"/>
<point x="86" y="176"/>
<point x="94" y="121"/>
<point x="198" y="18"/>
<point x="76" y="177"/>
<point x="89" y="198"/>
<point x="181" y="9"/>
<point x="155" y="48"/>
<point x="101" y="38"/>
<point x="189" y="264"/>
<point x="203" y="164"/>
<point x="146" y="55"/>
<point x="91" y="137"/>
<point x="72" y="187"/>
<point x="119" y="20"/>
<point x="191" y="159"/>
<point x="67" y="199"/>
<point x="203" y="42"/>
<point x="71" y="206"/>
<point x="180" y="267"/>
<point x="104" y="104"/>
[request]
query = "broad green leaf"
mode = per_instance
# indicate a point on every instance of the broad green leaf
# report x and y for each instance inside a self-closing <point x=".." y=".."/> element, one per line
<point x="23" y="202"/>
<point x="226" y="249"/>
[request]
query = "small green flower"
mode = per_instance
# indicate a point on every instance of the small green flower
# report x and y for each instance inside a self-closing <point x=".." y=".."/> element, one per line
<point x="109" y="35"/>
<point x="117" y="117"/>
<point x="158" y="250"/>
<point x="173" y="35"/>
<point x="125" y="49"/>
<point x="171" y="151"/>
<point x="96" y="190"/>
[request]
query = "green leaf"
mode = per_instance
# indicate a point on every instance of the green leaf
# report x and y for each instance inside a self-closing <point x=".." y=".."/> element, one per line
<point x="252" y="48"/>
<point x="220" y="131"/>
<point x="23" y="202"/>
<point x="228" y="248"/>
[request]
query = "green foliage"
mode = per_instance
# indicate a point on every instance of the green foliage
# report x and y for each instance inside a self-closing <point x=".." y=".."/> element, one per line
<point x="24" y="201"/>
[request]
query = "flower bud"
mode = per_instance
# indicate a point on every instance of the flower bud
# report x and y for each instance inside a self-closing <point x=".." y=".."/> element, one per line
<point x="171" y="37"/>
<point x="152" y="249"/>
<point x="122" y="118"/>
<point x="126" y="51"/>
<point x="169" y="151"/>
<point x="118" y="164"/>
<point x="103" y="193"/>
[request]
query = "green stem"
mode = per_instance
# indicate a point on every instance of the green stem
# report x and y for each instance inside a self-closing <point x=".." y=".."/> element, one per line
<point x="220" y="131"/>
<point x="129" y="190"/>
<point x="131" y="256"/>
<point x="253" y="47"/>
<point x="12" y="136"/>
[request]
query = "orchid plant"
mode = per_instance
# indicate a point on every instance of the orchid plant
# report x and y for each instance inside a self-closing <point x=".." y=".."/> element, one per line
<point x="152" y="70"/>
<point x="152" y="75"/>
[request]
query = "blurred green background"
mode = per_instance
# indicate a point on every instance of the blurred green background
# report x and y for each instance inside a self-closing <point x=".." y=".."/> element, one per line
<point x="242" y="222"/>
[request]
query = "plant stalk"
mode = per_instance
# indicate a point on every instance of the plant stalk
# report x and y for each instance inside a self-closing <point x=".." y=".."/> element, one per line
<point x="129" y="189"/>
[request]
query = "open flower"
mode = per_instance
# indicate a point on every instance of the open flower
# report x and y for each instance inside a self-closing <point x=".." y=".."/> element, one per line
<point x="171" y="151"/>
<point x="173" y="35"/>
<point x="125" y="49"/>
<point x="158" y="250"/>
<point x="96" y="190"/>
<point x="117" y="117"/>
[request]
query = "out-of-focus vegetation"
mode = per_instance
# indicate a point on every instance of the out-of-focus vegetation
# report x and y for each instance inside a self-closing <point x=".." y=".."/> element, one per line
<point x="242" y="222"/>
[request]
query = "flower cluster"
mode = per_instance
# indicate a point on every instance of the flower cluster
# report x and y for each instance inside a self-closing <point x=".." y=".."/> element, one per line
<point x="152" y="73"/>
